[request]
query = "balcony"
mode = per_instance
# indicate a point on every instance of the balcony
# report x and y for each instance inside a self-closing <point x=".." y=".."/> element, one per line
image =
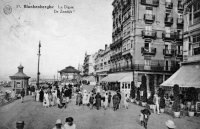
<point x="169" y="20"/>
<point x="149" y="18"/>
<point x="179" y="37"/>
<point x="179" y="21"/>
<point x="154" y="3"/>
<point x="116" y="43"/>
<point x="168" y="52"/>
<point x="169" y="5"/>
<point x="168" y="36"/>
<point x="148" y="51"/>
<point x="149" y="34"/>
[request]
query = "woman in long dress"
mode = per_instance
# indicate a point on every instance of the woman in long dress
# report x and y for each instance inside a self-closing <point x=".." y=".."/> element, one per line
<point x="37" y="95"/>
<point x="126" y="101"/>
<point x="106" y="100"/>
<point x="46" y="97"/>
<point x="84" y="97"/>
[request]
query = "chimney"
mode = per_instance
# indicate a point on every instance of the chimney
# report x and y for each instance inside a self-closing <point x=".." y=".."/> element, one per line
<point x="106" y="46"/>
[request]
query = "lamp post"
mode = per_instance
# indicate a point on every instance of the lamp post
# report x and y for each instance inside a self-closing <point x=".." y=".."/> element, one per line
<point x="38" y="72"/>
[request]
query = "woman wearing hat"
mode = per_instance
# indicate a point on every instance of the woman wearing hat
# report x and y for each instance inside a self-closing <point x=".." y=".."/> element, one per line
<point x="69" y="123"/>
<point x="58" y="124"/>
<point x="170" y="124"/>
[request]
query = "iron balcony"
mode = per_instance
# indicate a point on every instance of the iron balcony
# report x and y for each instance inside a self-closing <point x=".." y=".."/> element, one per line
<point x="149" y="34"/>
<point x="168" y="36"/>
<point x="149" y="18"/>
<point x="168" y="52"/>
<point x="154" y="3"/>
<point x="148" y="51"/>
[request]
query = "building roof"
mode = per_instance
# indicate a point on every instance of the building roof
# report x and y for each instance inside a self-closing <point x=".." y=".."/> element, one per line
<point x="20" y="74"/>
<point x="69" y="69"/>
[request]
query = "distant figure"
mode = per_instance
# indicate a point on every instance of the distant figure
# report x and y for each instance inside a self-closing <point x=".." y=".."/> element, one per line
<point x="58" y="124"/>
<point x="37" y="95"/>
<point x="78" y="98"/>
<point x="109" y="99"/>
<point x="69" y="123"/>
<point x="20" y="124"/>
<point x="22" y="95"/>
<point x="98" y="100"/>
<point x="41" y="95"/>
<point x="120" y="97"/>
<point x="106" y="100"/>
<point x="156" y="102"/>
<point x="13" y="95"/>
<point x="126" y="101"/>
<point x="92" y="101"/>
<point x="115" y="102"/>
<point x="170" y="124"/>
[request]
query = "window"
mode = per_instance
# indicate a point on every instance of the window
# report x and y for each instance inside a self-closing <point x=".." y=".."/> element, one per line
<point x="148" y="28"/>
<point x="169" y="1"/>
<point x="147" y="62"/>
<point x="149" y="10"/>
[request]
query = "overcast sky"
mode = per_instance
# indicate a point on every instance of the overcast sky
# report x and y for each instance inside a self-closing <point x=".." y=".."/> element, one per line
<point x="65" y="37"/>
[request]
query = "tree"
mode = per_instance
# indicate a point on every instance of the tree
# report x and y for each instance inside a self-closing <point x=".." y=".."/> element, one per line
<point x="144" y="88"/>
<point x="132" y="94"/>
<point x="176" y="104"/>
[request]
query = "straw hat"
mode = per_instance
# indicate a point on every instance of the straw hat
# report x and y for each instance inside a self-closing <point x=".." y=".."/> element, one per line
<point x="58" y="121"/>
<point x="170" y="124"/>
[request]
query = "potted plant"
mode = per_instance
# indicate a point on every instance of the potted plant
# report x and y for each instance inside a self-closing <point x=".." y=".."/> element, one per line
<point x="192" y="97"/>
<point x="144" y="90"/>
<point x="132" y="92"/>
<point x="138" y="96"/>
<point x="176" y="104"/>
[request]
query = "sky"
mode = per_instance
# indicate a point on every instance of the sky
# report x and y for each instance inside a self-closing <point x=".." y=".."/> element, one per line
<point x="64" y="37"/>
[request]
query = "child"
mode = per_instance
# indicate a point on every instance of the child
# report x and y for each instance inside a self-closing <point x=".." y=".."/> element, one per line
<point x="144" y="116"/>
<point x="126" y="101"/>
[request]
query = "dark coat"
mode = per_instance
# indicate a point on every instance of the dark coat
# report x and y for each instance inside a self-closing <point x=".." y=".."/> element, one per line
<point x="41" y="95"/>
<point x="98" y="100"/>
<point x="23" y="93"/>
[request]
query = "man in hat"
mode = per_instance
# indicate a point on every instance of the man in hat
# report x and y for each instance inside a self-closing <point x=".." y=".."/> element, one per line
<point x="58" y="124"/>
<point x="20" y="124"/>
<point x="170" y="124"/>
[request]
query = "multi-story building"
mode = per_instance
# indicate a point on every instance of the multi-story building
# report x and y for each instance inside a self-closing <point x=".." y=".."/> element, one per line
<point x="88" y="66"/>
<point x="189" y="73"/>
<point x="102" y="63"/>
<point x="147" y="38"/>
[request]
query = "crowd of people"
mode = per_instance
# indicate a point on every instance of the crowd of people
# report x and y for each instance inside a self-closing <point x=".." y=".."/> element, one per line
<point x="97" y="99"/>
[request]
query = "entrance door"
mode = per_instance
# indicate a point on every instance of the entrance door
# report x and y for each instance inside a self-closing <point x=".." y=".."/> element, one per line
<point x="126" y="88"/>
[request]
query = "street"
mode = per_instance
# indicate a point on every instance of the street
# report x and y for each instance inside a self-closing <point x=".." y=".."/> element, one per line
<point x="38" y="117"/>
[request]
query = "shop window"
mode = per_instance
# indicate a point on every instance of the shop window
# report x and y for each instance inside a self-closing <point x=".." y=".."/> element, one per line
<point x="125" y="86"/>
<point x="122" y="85"/>
<point x="129" y="86"/>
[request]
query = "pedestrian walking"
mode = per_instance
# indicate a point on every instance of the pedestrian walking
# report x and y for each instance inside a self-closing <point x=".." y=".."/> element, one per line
<point x="78" y="98"/>
<point x="58" y="124"/>
<point x="69" y="123"/>
<point x="46" y="100"/>
<point x="170" y="124"/>
<point x="98" y="100"/>
<point x="22" y="95"/>
<point x="144" y="116"/>
<point x="115" y="102"/>
<point x="92" y="101"/>
<point x="41" y="95"/>
<point x="109" y="99"/>
<point x="156" y="102"/>
<point x="119" y="100"/>
<point x="106" y="101"/>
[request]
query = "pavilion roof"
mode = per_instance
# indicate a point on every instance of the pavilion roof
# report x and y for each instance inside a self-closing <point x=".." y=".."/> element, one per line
<point x="69" y="69"/>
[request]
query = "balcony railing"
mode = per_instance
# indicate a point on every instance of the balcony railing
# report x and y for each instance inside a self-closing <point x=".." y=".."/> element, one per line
<point x="179" y="36"/>
<point x="149" y="68"/>
<point x="116" y="43"/>
<point x="180" y="21"/>
<point x="149" y="18"/>
<point x="148" y="51"/>
<point x="169" y="5"/>
<point x="149" y="34"/>
<point x="154" y="3"/>
<point x="168" y="52"/>
<point x="169" y="20"/>
<point x="168" y="36"/>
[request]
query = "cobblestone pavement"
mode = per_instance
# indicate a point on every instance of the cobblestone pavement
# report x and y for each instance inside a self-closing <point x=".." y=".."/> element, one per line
<point x="38" y="117"/>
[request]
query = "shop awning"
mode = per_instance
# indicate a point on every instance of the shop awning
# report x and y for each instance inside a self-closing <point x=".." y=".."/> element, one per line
<point x="186" y="76"/>
<point x="115" y="77"/>
<point x="127" y="78"/>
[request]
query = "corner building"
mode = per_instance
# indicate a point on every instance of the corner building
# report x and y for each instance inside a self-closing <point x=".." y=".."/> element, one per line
<point x="147" y="39"/>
